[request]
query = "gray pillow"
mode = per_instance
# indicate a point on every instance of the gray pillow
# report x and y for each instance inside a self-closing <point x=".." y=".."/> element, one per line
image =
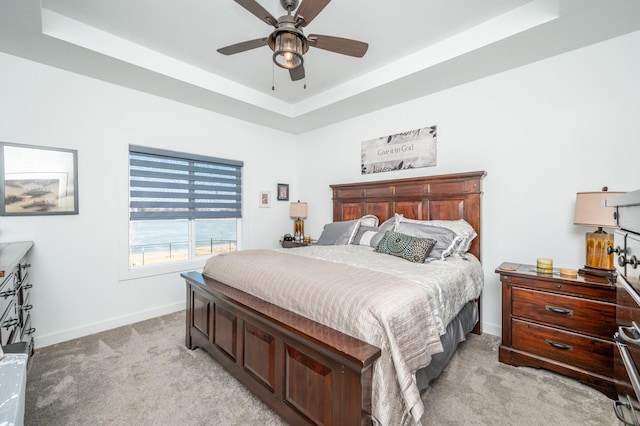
<point x="389" y="224"/>
<point x="365" y="234"/>
<point x="338" y="233"/>
<point x="446" y="239"/>
<point x="461" y="227"/>
<point x="375" y="239"/>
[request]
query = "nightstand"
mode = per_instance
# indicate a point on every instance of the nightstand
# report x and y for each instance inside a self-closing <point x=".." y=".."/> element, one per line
<point x="564" y="325"/>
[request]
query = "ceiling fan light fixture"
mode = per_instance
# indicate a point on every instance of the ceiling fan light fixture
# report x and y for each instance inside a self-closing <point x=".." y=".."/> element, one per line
<point x="288" y="50"/>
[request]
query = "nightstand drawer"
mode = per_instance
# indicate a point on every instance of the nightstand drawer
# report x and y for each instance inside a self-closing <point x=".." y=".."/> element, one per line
<point x="576" y="314"/>
<point x="590" y="354"/>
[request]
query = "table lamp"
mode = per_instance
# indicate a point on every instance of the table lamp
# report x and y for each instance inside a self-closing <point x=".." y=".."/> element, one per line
<point x="591" y="211"/>
<point x="298" y="211"/>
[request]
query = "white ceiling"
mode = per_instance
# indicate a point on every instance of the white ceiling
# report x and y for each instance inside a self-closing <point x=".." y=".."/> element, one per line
<point x="416" y="47"/>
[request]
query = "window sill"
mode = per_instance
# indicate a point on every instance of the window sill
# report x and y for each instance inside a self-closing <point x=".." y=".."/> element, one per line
<point x="126" y="274"/>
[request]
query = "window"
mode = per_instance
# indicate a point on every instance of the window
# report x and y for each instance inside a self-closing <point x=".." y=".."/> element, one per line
<point x="181" y="206"/>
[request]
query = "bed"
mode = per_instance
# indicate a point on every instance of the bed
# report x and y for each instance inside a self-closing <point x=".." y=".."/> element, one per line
<point x="306" y="363"/>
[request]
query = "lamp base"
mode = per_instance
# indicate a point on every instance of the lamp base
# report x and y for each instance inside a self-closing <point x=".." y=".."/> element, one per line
<point x="596" y="250"/>
<point x="298" y="228"/>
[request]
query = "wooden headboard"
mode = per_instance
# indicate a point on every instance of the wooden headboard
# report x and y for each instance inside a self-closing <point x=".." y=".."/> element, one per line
<point x="446" y="197"/>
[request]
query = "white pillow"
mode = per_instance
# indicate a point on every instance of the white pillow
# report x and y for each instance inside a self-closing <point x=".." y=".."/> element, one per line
<point x="369" y="220"/>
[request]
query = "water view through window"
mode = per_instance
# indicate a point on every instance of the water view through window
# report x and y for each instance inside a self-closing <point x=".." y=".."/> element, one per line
<point x="161" y="241"/>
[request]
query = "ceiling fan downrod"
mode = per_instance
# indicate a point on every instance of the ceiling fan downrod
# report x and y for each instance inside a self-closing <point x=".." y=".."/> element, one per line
<point x="289" y="5"/>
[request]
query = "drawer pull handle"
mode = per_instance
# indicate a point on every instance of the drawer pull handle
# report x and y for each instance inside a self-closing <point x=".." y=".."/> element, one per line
<point x="630" y="334"/>
<point x="27" y="307"/>
<point x="557" y="310"/>
<point x="7" y="294"/>
<point x="558" y="345"/>
<point x="27" y="286"/>
<point x="30" y="330"/>
<point x="617" y="408"/>
<point x="10" y="323"/>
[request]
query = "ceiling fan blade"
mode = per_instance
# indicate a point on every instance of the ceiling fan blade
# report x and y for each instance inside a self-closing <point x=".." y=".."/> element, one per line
<point x="297" y="73"/>
<point x="244" y="46"/>
<point x="259" y="11"/>
<point x="341" y="45"/>
<point x="309" y="9"/>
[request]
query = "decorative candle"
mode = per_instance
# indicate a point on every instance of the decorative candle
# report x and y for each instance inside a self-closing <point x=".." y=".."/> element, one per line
<point x="545" y="265"/>
<point x="568" y="273"/>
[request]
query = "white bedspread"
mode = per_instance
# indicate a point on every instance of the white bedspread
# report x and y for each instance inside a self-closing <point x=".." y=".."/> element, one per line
<point x="391" y="303"/>
<point x="449" y="284"/>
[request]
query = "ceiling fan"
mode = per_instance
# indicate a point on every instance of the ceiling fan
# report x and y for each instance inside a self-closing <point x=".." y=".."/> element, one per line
<point x="288" y="41"/>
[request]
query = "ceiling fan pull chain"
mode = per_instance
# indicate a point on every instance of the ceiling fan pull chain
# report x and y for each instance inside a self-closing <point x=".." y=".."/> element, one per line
<point x="273" y="78"/>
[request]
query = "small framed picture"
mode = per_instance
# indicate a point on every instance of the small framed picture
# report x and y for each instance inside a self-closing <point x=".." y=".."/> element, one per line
<point x="265" y="199"/>
<point x="283" y="192"/>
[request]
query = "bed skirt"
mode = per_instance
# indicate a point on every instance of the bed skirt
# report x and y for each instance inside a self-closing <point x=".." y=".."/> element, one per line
<point x="457" y="331"/>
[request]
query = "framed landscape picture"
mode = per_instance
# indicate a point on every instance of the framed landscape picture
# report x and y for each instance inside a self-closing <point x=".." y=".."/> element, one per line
<point x="37" y="180"/>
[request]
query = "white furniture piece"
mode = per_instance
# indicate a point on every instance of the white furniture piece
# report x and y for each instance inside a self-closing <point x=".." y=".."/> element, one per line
<point x="13" y="386"/>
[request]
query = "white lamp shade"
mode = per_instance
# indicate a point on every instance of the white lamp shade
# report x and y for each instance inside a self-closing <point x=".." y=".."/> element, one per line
<point x="298" y="210"/>
<point x="591" y="211"/>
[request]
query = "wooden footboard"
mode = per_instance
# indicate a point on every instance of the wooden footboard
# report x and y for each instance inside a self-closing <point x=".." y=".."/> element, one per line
<point x="306" y="372"/>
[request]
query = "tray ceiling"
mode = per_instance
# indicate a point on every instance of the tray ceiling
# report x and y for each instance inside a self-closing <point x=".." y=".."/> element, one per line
<point x="416" y="47"/>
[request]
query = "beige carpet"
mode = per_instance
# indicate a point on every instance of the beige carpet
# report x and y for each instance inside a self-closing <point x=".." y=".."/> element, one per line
<point x="143" y="374"/>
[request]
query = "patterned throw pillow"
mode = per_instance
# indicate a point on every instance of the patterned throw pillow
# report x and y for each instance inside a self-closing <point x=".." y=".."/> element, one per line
<point x="410" y="248"/>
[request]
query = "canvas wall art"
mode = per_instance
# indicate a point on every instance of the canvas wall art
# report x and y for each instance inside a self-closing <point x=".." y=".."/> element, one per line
<point x="406" y="150"/>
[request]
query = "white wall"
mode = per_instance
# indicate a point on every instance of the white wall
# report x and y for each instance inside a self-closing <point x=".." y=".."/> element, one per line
<point x="542" y="132"/>
<point x="77" y="290"/>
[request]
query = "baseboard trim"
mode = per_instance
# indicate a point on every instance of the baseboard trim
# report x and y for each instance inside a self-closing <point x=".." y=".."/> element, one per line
<point x="492" y="329"/>
<point x="52" y="339"/>
<point x="85" y="330"/>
